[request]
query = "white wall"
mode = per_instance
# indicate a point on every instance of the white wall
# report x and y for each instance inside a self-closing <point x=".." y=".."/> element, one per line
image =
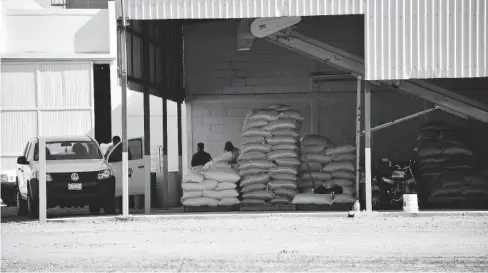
<point x="57" y="31"/>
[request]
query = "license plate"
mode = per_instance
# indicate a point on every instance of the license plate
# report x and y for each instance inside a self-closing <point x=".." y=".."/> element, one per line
<point x="74" y="186"/>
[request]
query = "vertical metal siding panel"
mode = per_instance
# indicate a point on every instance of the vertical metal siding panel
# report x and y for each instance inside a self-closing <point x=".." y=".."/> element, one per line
<point x="15" y="128"/>
<point x="70" y="123"/>
<point x="215" y="9"/>
<point x="426" y="39"/>
<point x="18" y="85"/>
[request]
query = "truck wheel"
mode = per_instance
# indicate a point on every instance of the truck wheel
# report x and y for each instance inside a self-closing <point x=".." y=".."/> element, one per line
<point x="109" y="207"/>
<point x="32" y="206"/>
<point x="94" y="209"/>
<point x="21" y="205"/>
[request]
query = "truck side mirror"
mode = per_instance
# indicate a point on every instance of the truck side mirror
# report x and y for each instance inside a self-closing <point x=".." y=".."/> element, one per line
<point x="21" y="160"/>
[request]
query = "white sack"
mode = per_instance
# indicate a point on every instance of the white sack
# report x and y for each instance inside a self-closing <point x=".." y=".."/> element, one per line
<point x="251" y="171"/>
<point x="314" y="149"/>
<point x="282" y="184"/>
<point x="252" y="140"/>
<point x="344" y="157"/>
<point x="191" y="194"/>
<point x="263" y="114"/>
<point x="311" y="140"/>
<point x="200" y="202"/>
<point x="339" y="166"/>
<point x="261" y="195"/>
<point x="222" y="176"/>
<point x="255" y="179"/>
<point x="290" y="193"/>
<point x="225" y="157"/>
<point x="344" y="149"/>
<point x="277" y="140"/>
<point x="320" y="158"/>
<point x="314" y="167"/>
<point x="221" y="165"/>
<point x="263" y="148"/>
<point x="221" y="194"/>
<point x="310" y="198"/>
<point x="344" y="175"/>
<point x="288" y="162"/>
<point x="255" y="132"/>
<point x="280" y="107"/>
<point x="309" y="183"/>
<point x="205" y="185"/>
<point x="280" y="200"/>
<point x="227" y="202"/>
<point x="349" y="190"/>
<point x="291" y="114"/>
<point x="251" y="156"/>
<point x="457" y="151"/>
<point x="225" y="186"/>
<point x="282" y="154"/>
<point x="193" y="176"/>
<point x="253" y="202"/>
<point x="280" y="124"/>
<point x="286" y="132"/>
<point x="317" y="176"/>
<point x="253" y="187"/>
<point x="254" y="124"/>
<point x="284" y="177"/>
<point x="261" y="164"/>
<point x="293" y="147"/>
<point x="340" y="182"/>
<point x="344" y="199"/>
<point x="283" y="170"/>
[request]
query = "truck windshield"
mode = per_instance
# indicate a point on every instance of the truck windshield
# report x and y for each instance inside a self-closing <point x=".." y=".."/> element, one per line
<point x="68" y="150"/>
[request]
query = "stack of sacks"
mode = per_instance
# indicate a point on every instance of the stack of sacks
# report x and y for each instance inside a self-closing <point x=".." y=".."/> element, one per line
<point x="211" y="187"/>
<point x="446" y="166"/>
<point x="329" y="166"/>
<point x="269" y="157"/>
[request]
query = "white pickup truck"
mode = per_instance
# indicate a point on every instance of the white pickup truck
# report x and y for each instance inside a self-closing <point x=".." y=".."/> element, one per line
<point x="77" y="174"/>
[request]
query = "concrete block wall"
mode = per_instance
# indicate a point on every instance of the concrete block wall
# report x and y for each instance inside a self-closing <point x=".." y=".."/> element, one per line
<point x="216" y="72"/>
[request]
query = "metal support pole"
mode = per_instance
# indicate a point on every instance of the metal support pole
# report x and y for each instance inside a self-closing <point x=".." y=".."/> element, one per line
<point x="123" y="84"/>
<point x="180" y="140"/>
<point x="147" y="119"/>
<point x="367" y="146"/>
<point x="42" y="182"/>
<point x="358" y="135"/>
<point x="165" y="153"/>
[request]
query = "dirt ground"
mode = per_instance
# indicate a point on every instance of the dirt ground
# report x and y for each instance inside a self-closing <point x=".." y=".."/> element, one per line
<point x="268" y="242"/>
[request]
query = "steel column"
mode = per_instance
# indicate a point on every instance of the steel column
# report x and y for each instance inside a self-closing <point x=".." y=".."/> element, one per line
<point x="42" y="182"/>
<point x="147" y="118"/>
<point x="358" y="136"/>
<point x="165" y="180"/>
<point x="367" y="145"/>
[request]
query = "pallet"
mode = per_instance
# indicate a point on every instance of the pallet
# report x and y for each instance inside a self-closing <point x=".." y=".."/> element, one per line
<point x="333" y="207"/>
<point x="211" y="209"/>
<point x="268" y="207"/>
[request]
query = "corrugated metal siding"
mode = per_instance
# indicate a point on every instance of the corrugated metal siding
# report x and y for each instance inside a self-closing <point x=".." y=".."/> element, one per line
<point x="65" y="85"/>
<point x="426" y="39"/>
<point x="221" y="9"/>
<point x="57" y="95"/>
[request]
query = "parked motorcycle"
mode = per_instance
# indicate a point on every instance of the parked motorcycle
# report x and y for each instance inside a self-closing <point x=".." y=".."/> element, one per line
<point x="392" y="182"/>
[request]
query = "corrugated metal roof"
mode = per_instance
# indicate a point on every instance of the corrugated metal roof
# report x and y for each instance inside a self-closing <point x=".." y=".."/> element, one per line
<point x="426" y="39"/>
<point x="222" y="9"/>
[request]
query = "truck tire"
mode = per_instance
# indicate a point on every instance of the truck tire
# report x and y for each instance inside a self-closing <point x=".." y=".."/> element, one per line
<point x="32" y="206"/>
<point x="109" y="207"/>
<point x="94" y="209"/>
<point x="21" y="205"/>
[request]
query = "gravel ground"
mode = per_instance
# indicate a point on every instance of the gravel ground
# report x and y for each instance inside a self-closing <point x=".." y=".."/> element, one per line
<point x="249" y="243"/>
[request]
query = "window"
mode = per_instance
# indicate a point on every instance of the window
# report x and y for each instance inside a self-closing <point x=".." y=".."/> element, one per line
<point x="135" y="148"/>
<point x="70" y="150"/>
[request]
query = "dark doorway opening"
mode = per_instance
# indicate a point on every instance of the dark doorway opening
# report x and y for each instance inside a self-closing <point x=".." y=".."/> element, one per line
<point x="103" y="106"/>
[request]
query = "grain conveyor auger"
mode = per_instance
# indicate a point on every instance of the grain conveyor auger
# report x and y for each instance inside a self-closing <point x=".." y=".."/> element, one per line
<point x="280" y="31"/>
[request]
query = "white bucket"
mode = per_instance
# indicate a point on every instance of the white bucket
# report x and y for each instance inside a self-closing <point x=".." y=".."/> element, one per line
<point x="410" y="203"/>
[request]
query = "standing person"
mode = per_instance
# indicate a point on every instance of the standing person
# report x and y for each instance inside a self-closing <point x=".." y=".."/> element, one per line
<point x="229" y="148"/>
<point x="200" y="158"/>
<point x="115" y="141"/>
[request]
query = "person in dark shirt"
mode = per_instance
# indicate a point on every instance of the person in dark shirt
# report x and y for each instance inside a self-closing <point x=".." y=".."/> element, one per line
<point x="201" y="157"/>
